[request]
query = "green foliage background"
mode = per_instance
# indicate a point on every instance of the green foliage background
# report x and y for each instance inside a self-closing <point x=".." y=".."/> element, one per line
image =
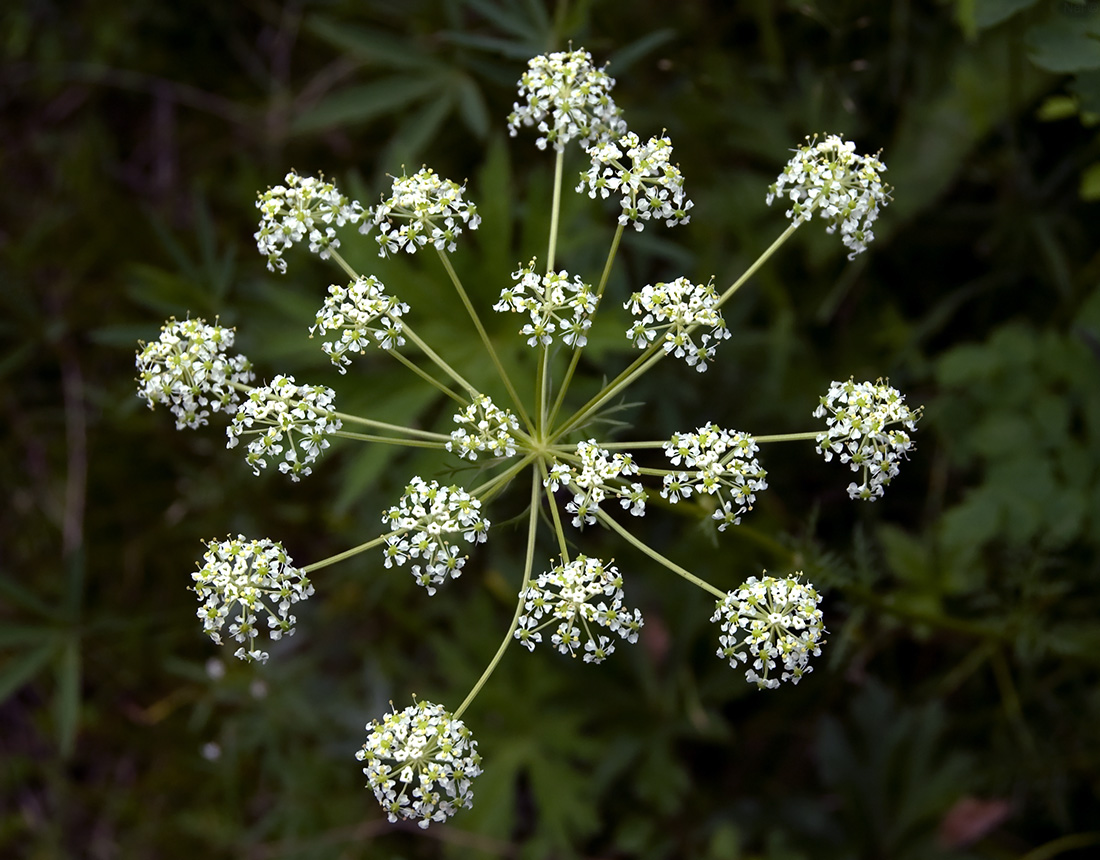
<point x="954" y="711"/>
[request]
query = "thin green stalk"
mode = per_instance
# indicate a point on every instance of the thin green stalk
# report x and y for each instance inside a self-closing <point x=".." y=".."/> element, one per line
<point x="575" y="359"/>
<point x="808" y="436"/>
<point x="563" y="546"/>
<point x="495" y="484"/>
<point x="348" y="553"/>
<point x="555" y="211"/>
<point x="439" y="362"/>
<point x="527" y="567"/>
<point x="472" y="311"/>
<point x="427" y="377"/>
<point x="389" y="440"/>
<point x="760" y="261"/>
<point x="343" y="264"/>
<point x="657" y="557"/>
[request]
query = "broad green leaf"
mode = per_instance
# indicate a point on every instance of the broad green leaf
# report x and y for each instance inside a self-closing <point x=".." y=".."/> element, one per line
<point x="989" y="13"/>
<point x="1065" y="43"/>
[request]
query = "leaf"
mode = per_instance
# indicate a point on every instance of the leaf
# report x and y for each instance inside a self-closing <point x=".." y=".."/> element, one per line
<point x="1065" y="43"/>
<point x="68" y="696"/>
<point x="17" y="672"/>
<point x="358" y="104"/>
<point x="372" y="46"/>
<point x="414" y="133"/>
<point x="625" y="57"/>
<point x="1090" y="182"/>
<point x="990" y="13"/>
<point x="1086" y="86"/>
<point x="472" y="107"/>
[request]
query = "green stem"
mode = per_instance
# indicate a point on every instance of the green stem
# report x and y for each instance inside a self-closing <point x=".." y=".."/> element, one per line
<point x="363" y="547"/>
<point x="809" y="436"/>
<point x="657" y="557"/>
<point x="577" y="352"/>
<point x="427" y="377"/>
<point x="527" y="567"/>
<point x="563" y="546"/>
<point x="760" y="261"/>
<point x="485" y="338"/>
<point x="555" y="211"/>
<point x="342" y="263"/>
<point x="407" y="443"/>
<point x="439" y="362"/>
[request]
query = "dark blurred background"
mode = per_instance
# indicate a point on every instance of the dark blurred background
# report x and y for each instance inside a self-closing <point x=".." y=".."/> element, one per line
<point x="953" y="713"/>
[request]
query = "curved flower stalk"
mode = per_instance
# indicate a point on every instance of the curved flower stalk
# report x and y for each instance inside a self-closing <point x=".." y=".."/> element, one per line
<point x="423" y="209"/>
<point x="723" y="464"/>
<point x="565" y="596"/>
<point x="567" y="98"/>
<point x="421" y="521"/>
<point x="251" y="577"/>
<point x="676" y="309"/>
<point x="556" y="305"/>
<point x="493" y="429"/>
<point x="286" y="419"/>
<point x="860" y="418"/>
<point x="770" y="622"/>
<point x="304" y="209"/>
<point x="829" y="179"/>
<point x="650" y="188"/>
<point x="362" y="314"/>
<point x="420" y="763"/>
<point x="189" y="370"/>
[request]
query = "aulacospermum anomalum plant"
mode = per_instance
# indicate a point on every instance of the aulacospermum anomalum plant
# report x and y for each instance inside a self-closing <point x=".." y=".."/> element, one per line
<point x="420" y="761"/>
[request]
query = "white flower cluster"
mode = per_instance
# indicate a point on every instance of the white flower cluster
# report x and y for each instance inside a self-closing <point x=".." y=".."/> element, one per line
<point x="723" y="464"/>
<point x="188" y="370"/>
<point x="555" y="304"/>
<point x="565" y="595"/>
<point x="770" y="620"/>
<point x="420" y="763"/>
<point x="567" y="98"/>
<point x="650" y="188"/>
<point x="492" y="427"/>
<point x="362" y="314"/>
<point x="304" y="208"/>
<point x="591" y="483"/>
<point x="860" y="418"/>
<point x="255" y="576"/>
<point x="421" y="521"/>
<point x="676" y="309"/>
<point x="423" y="209"/>
<point x="300" y="413"/>
<point x="828" y="178"/>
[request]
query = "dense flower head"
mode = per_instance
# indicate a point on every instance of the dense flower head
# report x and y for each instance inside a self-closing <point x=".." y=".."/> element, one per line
<point x="767" y="622"/>
<point x="188" y="369"/>
<point x="250" y="577"/>
<point x="676" y="309"/>
<point x="718" y="462"/>
<point x="867" y="425"/>
<point x="420" y="763"/>
<point x="283" y="418"/>
<point x="556" y="305"/>
<point x="595" y="475"/>
<point x="649" y="188"/>
<point x="362" y="314"/>
<point x="423" y="209"/>
<point x="484" y="427"/>
<point x="567" y="98"/>
<point x="829" y="179"/>
<point x="422" y="521"/>
<point x="305" y="208"/>
<point x="567" y="596"/>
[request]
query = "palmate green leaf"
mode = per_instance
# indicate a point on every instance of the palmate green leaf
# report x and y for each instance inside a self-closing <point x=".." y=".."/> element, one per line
<point x="417" y="130"/>
<point x="20" y="669"/>
<point x="526" y="19"/>
<point x="377" y="47"/>
<point x="358" y="104"/>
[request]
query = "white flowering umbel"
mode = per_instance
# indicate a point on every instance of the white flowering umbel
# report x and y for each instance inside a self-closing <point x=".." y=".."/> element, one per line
<point x="867" y="424"/>
<point x="567" y="98"/>
<point x="422" y="209"/>
<point x="578" y="596"/>
<point x="361" y="314"/>
<point x="640" y="174"/>
<point x="484" y="428"/>
<point x="420" y="763"/>
<point x="677" y="309"/>
<point x="555" y="304"/>
<point x="286" y="419"/>
<point x="828" y="178"/>
<point x="421" y="523"/>
<point x="767" y="623"/>
<point x="189" y="370"/>
<point x="593" y="475"/>
<point x="250" y="578"/>
<point x="716" y="462"/>
<point x="305" y="208"/>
